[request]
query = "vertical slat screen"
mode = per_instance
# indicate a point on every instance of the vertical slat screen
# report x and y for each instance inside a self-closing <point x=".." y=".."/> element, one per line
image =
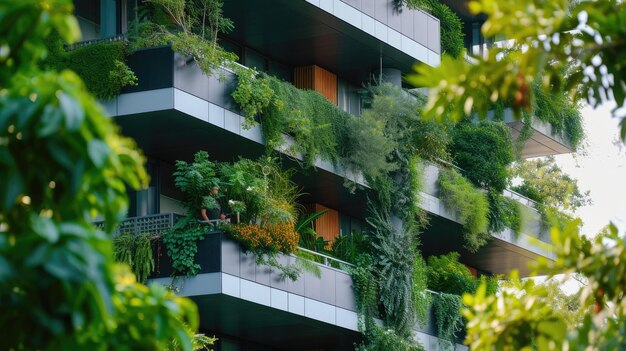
<point x="318" y="79"/>
<point x="326" y="226"/>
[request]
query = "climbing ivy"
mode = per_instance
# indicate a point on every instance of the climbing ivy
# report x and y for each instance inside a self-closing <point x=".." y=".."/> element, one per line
<point x="182" y="245"/>
<point x="101" y="66"/>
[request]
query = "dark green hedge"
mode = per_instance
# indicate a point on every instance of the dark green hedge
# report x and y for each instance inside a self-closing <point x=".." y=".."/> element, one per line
<point x="483" y="151"/>
<point x="101" y="66"/>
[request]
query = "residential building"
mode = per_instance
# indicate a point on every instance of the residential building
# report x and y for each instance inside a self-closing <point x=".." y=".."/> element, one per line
<point x="334" y="47"/>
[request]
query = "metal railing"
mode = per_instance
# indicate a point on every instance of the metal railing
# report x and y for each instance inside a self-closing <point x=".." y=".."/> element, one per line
<point x="327" y="260"/>
<point x="155" y="224"/>
<point x="520" y="198"/>
<point x="119" y="37"/>
<point x="506" y="193"/>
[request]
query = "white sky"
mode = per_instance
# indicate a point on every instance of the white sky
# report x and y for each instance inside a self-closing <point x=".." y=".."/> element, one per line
<point x="600" y="168"/>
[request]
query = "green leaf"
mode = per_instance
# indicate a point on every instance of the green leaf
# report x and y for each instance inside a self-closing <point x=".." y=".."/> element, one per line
<point x="12" y="187"/>
<point x="57" y="265"/>
<point x="74" y="113"/>
<point x="50" y="121"/>
<point x="27" y="111"/>
<point x="6" y="158"/>
<point x="6" y="269"/>
<point x="98" y="152"/>
<point x="45" y="228"/>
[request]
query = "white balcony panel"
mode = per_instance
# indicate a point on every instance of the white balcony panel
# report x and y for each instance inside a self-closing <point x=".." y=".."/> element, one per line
<point x="191" y="105"/>
<point x="145" y="101"/>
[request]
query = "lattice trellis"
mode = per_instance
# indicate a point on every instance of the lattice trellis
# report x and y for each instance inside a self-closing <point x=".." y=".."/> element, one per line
<point x="154" y="224"/>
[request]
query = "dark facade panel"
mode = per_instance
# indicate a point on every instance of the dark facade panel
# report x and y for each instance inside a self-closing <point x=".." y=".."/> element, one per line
<point x="190" y="78"/>
<point x="145" y="63"/>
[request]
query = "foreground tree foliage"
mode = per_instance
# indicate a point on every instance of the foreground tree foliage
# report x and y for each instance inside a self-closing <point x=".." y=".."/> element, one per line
<point x="576" y="46"/>
<point x="587" y="37"/>
<point x="546" y="183"/>
<point x="528" y="319"/>
<point x="62" y="162"/>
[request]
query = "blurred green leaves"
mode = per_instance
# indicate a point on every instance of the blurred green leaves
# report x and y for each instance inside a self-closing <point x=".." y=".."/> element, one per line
<point x="62" y="162"/>
<point x="578" y="47"/>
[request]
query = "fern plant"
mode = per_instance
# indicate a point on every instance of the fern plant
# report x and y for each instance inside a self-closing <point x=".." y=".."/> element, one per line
<point x="136" y="252"/>
<point x="123" y="245"/>
<point x="448" y="319"/>
<point x="143" y="264"/>
<point x="394" y="261"/>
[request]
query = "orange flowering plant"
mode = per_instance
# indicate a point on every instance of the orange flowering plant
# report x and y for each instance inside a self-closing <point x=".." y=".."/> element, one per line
<point x="268" y="239"/>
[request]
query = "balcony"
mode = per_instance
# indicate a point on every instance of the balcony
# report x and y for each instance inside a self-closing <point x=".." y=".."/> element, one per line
<point x="543" y="142"/>
<point x="241" y="299"/>
<point x="177" y="110"/>
<point x="347" y="37"/>
<point x="504" y="252"/>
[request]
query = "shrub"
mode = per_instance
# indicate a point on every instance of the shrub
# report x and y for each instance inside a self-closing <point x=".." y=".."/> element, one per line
<point x="252" y="95"/>
<point x="253" y="237"/>
<point x="284" y="235"/>
<point x="101" y="66"/>
<point x="349" y="247"/>
<point x="483" y="151"/>
<point x="529" y="190"/>
<point x="470" y="204"/>
<point x="381" y="339"/>
<point x="447" y="275"/>
<point x="195" y="180"/>
<point x="315" y="123"/>
<point x="266" y="241"/>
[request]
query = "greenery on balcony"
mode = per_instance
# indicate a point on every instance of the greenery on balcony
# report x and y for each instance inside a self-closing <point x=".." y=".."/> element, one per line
<point x="554" y="107"/>
<point x="253" y="201"/>
<point x="190" y="27"/>
<point x="470" y="204"/>
<point x="102" y="66"/>
<point x="385" y="144"/>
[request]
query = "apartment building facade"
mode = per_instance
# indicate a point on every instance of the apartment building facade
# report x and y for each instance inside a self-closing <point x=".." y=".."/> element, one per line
<point x="334" y="47"/>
